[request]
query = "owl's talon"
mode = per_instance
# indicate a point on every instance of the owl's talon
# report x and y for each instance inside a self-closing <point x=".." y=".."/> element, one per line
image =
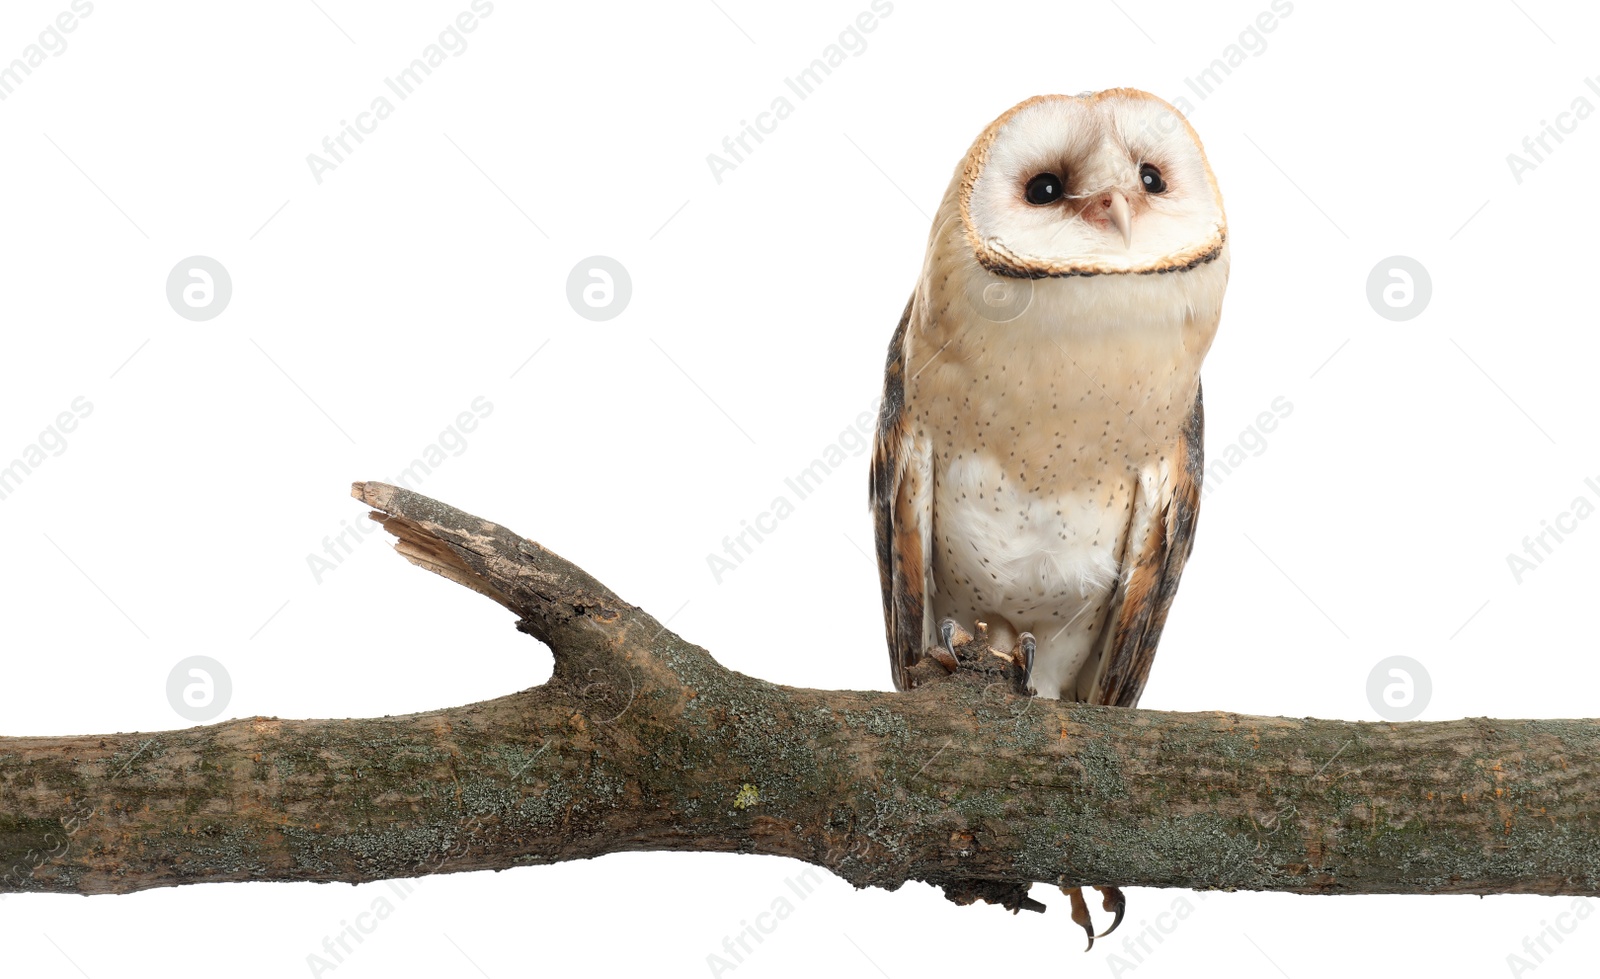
<point x="1113" y="901"/>
<point x="1022" y="656"/>
<point x="947" y="635"/>
<point x="952" y="635"/>
<point x="1080" y="913"/>
<point x="947" y="652"/>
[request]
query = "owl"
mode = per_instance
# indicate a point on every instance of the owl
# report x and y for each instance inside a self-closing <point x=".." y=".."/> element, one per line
<point x="1038" y="456"/>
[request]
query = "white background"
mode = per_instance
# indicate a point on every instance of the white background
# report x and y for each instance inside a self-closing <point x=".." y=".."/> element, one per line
<point x="373" y="307"/>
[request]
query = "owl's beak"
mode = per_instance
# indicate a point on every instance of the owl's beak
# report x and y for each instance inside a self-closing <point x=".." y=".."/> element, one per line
<point x="1121" y="218"/>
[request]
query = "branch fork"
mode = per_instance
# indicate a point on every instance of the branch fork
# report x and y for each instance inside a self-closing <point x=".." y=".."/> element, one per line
<point x="642" y="741"/>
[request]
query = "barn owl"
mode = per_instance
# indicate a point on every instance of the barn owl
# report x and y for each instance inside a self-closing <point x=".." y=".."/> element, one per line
<point x="1038" y="455"/>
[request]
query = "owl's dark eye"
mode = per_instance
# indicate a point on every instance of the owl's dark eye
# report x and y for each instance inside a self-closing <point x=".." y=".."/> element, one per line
<point x="1045" y="188"/>
<point x="1151" y="178"/>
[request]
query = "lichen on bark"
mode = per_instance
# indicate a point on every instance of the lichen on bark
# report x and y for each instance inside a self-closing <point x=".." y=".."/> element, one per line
<point x="642" y="741"/>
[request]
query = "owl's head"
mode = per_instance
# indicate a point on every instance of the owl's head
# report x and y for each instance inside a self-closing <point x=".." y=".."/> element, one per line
<point x="1112" y="182"/>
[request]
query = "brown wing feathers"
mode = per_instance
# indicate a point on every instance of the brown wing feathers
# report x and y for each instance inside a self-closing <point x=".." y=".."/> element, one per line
<point x="897" y="523"/>
<point x="1149" y="590"/>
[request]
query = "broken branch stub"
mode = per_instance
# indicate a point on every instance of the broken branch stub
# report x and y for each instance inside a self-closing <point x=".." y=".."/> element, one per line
<point x="642" y="741"/>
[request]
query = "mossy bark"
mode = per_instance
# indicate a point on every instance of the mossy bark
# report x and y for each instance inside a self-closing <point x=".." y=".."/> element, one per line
<point x="641" y="741"/>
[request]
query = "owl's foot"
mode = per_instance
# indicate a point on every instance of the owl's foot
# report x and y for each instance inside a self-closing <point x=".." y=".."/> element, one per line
<point x="958" y="649"/>
<point x="1022" y="658"/>
<point x="1080" y="913"/>
<point x="1111" y="900"/>
<point x="939" y="661"/>
<point x="951" y="635"/>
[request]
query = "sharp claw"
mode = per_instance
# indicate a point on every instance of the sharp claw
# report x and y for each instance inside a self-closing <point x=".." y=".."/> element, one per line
<point x="951" y="635"/>
<point x="943" y="658"/>
<point x="1026" y="647"/>
<point x="1080" y="913"/>
<point x="1113" y="901"/>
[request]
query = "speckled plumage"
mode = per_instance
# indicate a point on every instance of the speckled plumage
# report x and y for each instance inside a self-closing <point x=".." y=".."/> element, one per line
<point x="1037" y="462"/>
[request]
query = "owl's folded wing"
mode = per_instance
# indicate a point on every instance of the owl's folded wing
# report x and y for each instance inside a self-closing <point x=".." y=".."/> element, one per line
<point x="1158" y="547"/>
<point x="902" y="509"/>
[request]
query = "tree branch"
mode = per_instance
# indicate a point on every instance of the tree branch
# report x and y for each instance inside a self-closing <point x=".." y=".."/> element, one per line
<point x="642" y="741"/>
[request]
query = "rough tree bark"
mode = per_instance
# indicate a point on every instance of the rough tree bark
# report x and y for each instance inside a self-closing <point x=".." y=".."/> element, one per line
<point x="641" y="741"/>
